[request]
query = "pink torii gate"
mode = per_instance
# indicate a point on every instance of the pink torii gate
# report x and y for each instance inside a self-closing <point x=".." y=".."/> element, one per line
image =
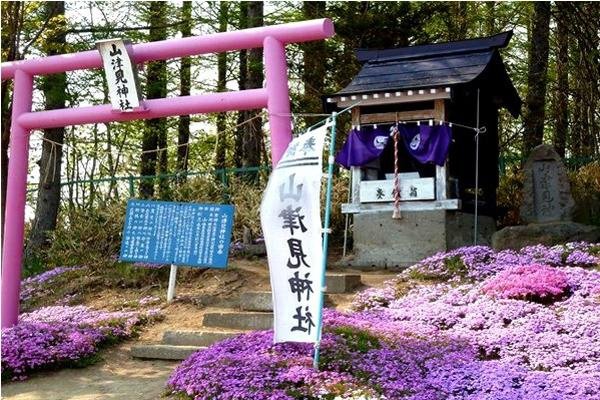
<point x="275" y="97"/>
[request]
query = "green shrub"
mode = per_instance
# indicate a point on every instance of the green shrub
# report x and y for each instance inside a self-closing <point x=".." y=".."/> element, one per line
<point x="509" y="197"/>
<point x="87" y="237"/>
<point x="585" y="188"/>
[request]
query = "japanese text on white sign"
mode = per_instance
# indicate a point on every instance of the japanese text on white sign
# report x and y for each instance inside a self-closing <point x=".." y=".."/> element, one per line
<point x="291" y="223"/>
<point x="120" y="75"/>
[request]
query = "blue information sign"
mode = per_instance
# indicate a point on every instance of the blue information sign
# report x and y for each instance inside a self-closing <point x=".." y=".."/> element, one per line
<point x="177" y="233"/>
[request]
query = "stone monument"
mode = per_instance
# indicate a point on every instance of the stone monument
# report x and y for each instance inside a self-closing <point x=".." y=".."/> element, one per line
<point x="546" y="189"/>
<point x="547" y="206"/>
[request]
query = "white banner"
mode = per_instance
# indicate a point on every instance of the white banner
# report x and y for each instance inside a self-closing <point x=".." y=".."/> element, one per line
<point x="290" y="215"/>
<point x="120" y="73"/>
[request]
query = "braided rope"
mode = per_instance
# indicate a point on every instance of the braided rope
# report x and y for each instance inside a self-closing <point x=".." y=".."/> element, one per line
<point x="396" y="214"/>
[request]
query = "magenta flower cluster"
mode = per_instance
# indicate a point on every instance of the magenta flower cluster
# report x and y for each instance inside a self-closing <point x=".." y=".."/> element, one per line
<point x="535" y="282"/>
<point x="438" y="340"/>
<point x="58" y="336"/>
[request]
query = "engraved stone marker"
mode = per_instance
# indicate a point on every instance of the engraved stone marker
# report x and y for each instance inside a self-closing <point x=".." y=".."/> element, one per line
<point x="546" y="190"/>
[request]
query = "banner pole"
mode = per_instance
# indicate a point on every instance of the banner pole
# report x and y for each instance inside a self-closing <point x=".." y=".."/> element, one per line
<point x="326" y="231"/>
<point x="172" y="280"/>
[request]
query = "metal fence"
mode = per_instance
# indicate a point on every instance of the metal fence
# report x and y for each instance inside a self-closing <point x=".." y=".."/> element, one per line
<point x="509" y="160"/>
<point x="86" y="191"/>
<point x="79" y="191"/>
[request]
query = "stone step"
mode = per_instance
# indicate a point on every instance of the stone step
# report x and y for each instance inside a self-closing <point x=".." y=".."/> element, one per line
<point x="262" y="301"/>
<point x="341" y="283"/>
<point x="239" y="320"/>
<point x="256" y="301"/>
<point x="194" y="338"/>
<point x="163" y="351"/>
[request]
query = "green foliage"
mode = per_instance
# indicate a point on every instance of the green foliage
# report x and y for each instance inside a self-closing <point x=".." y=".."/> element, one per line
<point x="585" y="188"/>
<point x="339" y="195"/>
<point x="87" y="237"/>
<point x="105" y="150"/>
<point x="358" y="340"/>
<point x="126" y="275"/>
<point x="33" y="265"/>
<point x="455" y="266"/>
<point x="423" y="276"/>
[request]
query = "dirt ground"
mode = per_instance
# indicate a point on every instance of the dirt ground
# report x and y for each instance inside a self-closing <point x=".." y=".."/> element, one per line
<point x="118" y="375"/>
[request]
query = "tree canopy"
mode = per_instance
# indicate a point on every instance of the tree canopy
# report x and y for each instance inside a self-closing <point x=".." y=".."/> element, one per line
<point x="553" y="61"/>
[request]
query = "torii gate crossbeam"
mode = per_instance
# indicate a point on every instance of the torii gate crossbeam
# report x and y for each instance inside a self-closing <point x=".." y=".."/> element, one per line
<point x="275" y="97"/>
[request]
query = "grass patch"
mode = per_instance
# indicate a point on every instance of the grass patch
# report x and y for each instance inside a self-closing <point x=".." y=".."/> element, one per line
<point x="358" y="340"/>
<point x="455" y="266"/>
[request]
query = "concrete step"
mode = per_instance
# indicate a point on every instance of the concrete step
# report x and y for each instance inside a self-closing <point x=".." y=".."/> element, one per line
<point x="341" y="283"/>
<point x="163" y="351"/>
<point x="256" y="301"/>
<point x="239" y="320"/>
<point x="194" y="338"/>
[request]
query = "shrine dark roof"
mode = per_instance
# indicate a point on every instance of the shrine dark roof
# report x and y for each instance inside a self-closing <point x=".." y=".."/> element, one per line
<point x="437" y="65"/>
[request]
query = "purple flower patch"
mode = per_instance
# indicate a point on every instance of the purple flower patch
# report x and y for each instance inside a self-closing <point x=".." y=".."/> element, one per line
<point x="470" y="332"/>
<point x="31" y="286"/>
<point x="53" y="337"/>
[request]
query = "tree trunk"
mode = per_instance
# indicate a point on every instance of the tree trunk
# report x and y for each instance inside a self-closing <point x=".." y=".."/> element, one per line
<point x="457" y="22"/>
<point x="183" y="128"/>
<point x="583" y="24"/>
<point x="561" y="102"/>
<point x="242" y="84"/>
<point x="253" y="130"/>
<point x="537" y="76"/>
<point x="222" y="87"/>
<point x="153" y="160"/>
<point x="54" y="88"/>
<point x="315" y="67"/>
<point x="490" y="18"/>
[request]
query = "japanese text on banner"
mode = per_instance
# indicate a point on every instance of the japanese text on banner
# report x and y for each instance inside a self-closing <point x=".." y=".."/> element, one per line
<point x="291" y="223"/>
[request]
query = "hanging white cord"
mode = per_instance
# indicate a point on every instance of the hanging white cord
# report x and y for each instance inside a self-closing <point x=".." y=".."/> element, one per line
<point x="475" y="221"/>
<point x="346" y="223"/>
<point x="396" y="214"/>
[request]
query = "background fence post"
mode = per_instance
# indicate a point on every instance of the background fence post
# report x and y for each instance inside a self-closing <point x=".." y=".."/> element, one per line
<point x="131" y="187"/>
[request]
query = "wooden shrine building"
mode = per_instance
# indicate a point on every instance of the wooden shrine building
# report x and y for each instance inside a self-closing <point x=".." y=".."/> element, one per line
<point x="433" y="84"/>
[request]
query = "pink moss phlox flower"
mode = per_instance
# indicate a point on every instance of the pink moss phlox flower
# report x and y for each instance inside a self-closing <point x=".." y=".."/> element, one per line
<point x="481" y="262"/>
<point x="30" y="287"/>
<point x="57" y="336"/>
<point x="375" y="297"/>
<point x="445" y="339"/>
<point x="534" y="281"/>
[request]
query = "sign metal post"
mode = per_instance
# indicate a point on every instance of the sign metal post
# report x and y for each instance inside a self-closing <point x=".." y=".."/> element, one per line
<point x="326" y="229"/>
<point x="172" y="281"/>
